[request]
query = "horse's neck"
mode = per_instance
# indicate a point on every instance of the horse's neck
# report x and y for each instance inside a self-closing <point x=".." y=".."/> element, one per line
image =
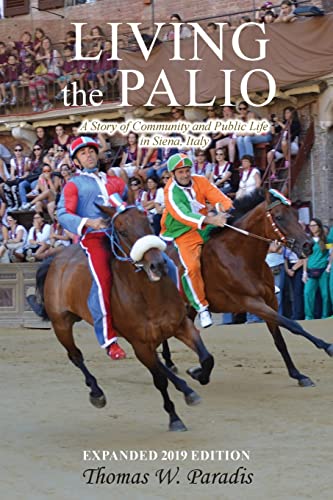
<point x="255" y="222"/>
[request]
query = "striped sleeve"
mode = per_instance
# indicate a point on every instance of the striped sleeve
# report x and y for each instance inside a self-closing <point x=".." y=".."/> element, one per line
<point x="180" y="210"/>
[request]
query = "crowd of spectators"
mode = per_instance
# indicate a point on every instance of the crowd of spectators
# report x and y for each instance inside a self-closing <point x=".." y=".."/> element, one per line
<point x="31" y="182"/>
<point x="38" y="65"/>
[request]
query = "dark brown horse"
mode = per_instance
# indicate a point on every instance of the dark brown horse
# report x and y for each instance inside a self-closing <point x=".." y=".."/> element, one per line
<point x="237" y="278"/>
<point x="146" y="306"/>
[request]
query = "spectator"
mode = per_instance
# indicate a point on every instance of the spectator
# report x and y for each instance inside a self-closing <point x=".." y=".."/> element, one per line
<point x="290" y="127"/>
<point x="39" y="36"/>
<point x="228" y="140"/>
<point x="275" y="261"/>
<point x="185" y="31"/>
<point x="5" y="154"/>
<point x="30" y="182"/>
<point x="294" y="269"/>
<point x="11" y="79"/>
<point x="50" y="62"/>
<point x="247" y="142"/>
<point x="108" y="69"/>
<point x="59" y="238"/>
<point x="249" y="177"/>
<point x="14" y="242"/>
<point x="159" y="203"/>
<point x="43" y="139"/>
<point x="314" y="276"/>
<point x="148" y="198"/>
<point x="286" y="14"/>
<point x="38" y="239"/>
<point x="269" y="17"/>
<point x="68" y="70"/>
<point x="62" y="138"/>
<point x="22" y="48"/>
<point x="136" y="192"/>
<point x="19" y="170"/>
<point x="211" y="28"/>
<point x="260" y="14"/>
<point x="201" y="166"/>
<point x="222" y="172"/>
<point x="27" y="70"/>
<point x="48" y="186"/>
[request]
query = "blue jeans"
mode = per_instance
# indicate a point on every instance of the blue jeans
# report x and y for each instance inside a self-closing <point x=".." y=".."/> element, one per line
<point x="156" y="173"/>
<point x="24" y="188"/>
<point x="245" y="143"/>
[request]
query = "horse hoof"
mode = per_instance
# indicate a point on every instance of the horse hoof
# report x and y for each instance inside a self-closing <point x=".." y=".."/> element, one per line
<point x="194" y="372"/>
<point x="306" y="382"/>
<point x="193" y="399"/>
<point x="98" y="402"/>
<point x="177" y="426"/>
<point x="207" y="367"/>
<point x="329" y="350"/>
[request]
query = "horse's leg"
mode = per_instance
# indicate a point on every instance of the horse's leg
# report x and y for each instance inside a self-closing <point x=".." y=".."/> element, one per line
<point x="63" y="328"/>
<point x="303" y="380"/>
<point x="148" y="357"/>
<point x="268" y="314"/>
<point x="274" y="320"/>
<point x="166" y="354"/>
<point x="190" y="336"/>
<point x="191" y="397"/>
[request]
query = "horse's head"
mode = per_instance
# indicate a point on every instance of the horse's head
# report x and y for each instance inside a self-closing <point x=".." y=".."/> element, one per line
<point x="132" y="239"/>
<point x="282" y="224"/>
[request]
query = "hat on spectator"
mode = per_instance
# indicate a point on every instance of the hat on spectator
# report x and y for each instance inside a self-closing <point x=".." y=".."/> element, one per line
<point x="82" y="142"/>
<point x="179" y="160"/>
<point x="267" y="5"/>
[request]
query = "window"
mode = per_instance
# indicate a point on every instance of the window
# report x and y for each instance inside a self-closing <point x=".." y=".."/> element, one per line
<point x="16" y="7"/>
<point x="50" y="4"/>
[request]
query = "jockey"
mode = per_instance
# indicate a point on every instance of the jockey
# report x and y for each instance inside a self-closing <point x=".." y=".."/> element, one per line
<point x="78" y="213"/>
<point x="183" y="219"/>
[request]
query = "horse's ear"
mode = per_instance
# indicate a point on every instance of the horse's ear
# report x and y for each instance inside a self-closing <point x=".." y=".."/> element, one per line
<point x="110" y="211"/>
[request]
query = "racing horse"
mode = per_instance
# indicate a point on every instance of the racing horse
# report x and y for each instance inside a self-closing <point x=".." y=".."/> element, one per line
<point x="146" y="306"/>
<point x="237" y="278"/>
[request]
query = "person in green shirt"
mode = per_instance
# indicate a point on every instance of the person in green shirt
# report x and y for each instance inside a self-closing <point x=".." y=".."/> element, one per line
<point x="316" y="272"/>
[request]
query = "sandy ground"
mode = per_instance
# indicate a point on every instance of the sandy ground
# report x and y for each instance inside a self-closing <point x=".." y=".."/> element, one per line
<point x="251" y="404"/>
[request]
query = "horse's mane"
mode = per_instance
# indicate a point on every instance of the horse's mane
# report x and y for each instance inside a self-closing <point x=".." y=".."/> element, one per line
<point x="242" y="206"/>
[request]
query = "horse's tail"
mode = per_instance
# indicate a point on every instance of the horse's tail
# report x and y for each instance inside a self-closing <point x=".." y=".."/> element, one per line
<point x="36" y="301"/>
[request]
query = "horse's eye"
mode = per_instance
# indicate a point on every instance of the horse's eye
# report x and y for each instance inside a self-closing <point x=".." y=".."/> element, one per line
<point x="124" y="234"/>
<point x="278" y="217"/>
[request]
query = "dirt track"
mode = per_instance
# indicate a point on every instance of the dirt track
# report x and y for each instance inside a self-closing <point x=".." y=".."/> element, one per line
<point x="251" y="404"/>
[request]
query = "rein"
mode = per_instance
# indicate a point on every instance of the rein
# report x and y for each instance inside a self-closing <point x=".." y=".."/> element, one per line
<point x="116" y="247"/>
<point x="287" y="242"/>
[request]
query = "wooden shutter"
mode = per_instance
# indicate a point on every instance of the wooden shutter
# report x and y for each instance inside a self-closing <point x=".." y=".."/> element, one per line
<point x="16" y="7"/>
<point x="50" y="4"/>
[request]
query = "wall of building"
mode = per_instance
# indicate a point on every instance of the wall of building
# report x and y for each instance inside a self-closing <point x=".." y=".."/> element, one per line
<point x="103" y="11"/>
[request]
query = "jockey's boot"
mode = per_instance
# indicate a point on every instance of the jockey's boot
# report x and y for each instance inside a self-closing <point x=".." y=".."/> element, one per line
<point x="205" y="319"/>
<point x="115" y="351"/>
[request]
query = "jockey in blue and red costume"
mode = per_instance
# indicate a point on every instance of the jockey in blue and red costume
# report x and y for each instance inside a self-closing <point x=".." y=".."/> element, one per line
<point x="78" y="213"/>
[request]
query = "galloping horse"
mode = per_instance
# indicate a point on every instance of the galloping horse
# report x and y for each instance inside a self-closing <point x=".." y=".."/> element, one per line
<point x="146" y="306"/>
<point x="237" y="278"/>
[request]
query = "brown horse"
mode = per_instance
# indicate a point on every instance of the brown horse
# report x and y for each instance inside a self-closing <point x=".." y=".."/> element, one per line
<point x="146" y="306"/>
<point x="237" y="278"/>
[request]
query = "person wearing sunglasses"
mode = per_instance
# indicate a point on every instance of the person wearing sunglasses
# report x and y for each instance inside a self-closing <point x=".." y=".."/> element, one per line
<point x="316" y="271"/>
<point x="48" y="186"/>
<point x="19" y="170"/>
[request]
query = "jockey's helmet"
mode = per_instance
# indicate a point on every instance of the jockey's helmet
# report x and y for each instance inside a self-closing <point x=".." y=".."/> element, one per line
<point x="82" y="142"/>
<point x="179" y="160"/>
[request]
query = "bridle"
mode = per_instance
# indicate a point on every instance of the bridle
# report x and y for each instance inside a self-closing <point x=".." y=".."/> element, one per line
<point x="116" y="246"/>
<point x="281" y="238"/>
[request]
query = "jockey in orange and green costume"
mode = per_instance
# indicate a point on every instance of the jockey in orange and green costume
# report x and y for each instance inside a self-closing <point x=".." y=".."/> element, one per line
<point x="185" y="221"/>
